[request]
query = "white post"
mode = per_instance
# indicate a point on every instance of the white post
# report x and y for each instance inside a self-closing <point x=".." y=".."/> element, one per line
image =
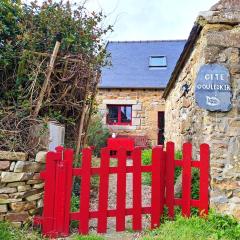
<point x="56" y="135"/>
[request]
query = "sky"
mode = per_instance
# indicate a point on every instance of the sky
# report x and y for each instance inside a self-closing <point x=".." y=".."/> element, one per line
<point x="150" y="19"/>
<point x="136" y="20"/>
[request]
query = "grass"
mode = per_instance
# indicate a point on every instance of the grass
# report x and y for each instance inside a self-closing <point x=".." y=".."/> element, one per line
<point x="9" y="232"/>
<point x="216" y="227"/>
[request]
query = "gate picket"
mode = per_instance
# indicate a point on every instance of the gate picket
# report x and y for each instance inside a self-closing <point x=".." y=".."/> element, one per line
<point x="158" y="167"/>
<point x="170" y="169"/>
<point x="186" y="179"/>
<point x="49" y="175"/>
<point x="121" y="190"/>
<point x="68" y="156"/>
<point x="59" y="200"/>
<point x="204" y="179"/>
<point x="103" y="191"/>
<point x="58" y="186"/>
<point x="137" y="190"/>
<point x="85" y="191"/>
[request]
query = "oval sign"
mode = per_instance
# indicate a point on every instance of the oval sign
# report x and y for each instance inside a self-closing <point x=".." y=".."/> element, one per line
<point x="213" y="89"/>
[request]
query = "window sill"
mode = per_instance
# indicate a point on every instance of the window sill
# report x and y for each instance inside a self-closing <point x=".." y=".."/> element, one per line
<point x="121" y="127"/>
<point x="119" y="124"/>
<point x="157" y="68"/>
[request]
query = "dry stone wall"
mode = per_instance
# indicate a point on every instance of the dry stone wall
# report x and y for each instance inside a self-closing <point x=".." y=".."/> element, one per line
<point x="219" y="42"/>
<point x="21" y="189"/>
<point x="145" y="107"/>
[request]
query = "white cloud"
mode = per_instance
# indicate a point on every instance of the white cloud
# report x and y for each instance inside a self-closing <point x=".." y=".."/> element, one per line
<point x="149" y="19"/>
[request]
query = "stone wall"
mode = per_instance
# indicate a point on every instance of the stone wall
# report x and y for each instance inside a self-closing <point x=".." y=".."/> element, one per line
<point x="219" y="42"/>
<point x="145" y="107"/>
<point x="21" y="189"/>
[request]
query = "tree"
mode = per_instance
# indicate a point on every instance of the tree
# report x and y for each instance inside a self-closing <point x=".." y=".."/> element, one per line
<point x="70" y="95"/>
<point x="10" y="19"/>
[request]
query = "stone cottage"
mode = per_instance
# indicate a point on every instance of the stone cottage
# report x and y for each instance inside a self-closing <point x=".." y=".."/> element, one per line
<point x="203" y="99"/>
<point x="130" y="93"/>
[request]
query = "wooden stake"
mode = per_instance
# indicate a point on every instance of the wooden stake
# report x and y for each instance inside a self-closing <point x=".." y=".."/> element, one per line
<point x="47" y="80"/>
<point x="80" y="131"/>
<point x="93" y="96"/>
<point x="86" y="108"/>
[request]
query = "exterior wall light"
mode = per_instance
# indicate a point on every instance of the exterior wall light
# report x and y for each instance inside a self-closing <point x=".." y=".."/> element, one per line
<point x="185" y="89"/>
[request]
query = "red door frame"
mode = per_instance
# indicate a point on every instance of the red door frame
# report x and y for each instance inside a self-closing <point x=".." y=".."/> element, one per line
<point x="119" y="115"/>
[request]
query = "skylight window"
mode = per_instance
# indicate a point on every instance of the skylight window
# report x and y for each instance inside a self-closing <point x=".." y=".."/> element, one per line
<point x="157" y="62"/>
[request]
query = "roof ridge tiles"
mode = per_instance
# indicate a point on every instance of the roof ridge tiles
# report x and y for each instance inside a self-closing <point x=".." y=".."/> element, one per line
<point x="146" y="41"/>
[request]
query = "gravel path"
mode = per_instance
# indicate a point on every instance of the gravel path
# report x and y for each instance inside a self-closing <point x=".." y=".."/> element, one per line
<point x="146" y="201"/>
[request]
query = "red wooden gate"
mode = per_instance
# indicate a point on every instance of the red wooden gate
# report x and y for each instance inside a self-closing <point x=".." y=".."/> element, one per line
<point x="59" y="172"/>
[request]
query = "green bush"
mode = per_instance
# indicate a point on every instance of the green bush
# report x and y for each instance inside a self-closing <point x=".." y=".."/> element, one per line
<point x="227" y="227"/>
<point x="97" y="135"/>
<point x="195" y="183"/>
<point x="216" y="227"/>
<point x="147" y="160"/>
<point x="178" y="154"/>
<point x="74" y="208"/>
<point x="28" y="34"/>
<point x="147" y="177"/>
<point x="147" y="157"/>
<point x="75" y="203"/>
<point x="10" y="17"/>
<point x="178" y="170"/>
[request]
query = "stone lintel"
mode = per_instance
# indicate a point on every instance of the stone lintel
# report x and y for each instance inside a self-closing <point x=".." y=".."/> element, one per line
<point x="119" y="101"/>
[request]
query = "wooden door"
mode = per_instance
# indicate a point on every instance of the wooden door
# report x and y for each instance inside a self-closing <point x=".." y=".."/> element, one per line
<point x="160" y="128"/>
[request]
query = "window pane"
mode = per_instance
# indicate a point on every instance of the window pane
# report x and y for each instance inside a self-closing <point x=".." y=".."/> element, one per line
<point x="113" y="114"/>
<point x="126" y="113"/>
<point x="158" y="61"/>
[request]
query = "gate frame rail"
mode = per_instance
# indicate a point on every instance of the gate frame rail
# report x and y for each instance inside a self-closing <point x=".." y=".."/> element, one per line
<point x="59" y="172"/>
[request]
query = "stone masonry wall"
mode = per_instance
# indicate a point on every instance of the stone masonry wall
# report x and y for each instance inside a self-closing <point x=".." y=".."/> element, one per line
<point x="145" y="107"/>
<point x="219" y="42"/>
<point x="21" y="189"/>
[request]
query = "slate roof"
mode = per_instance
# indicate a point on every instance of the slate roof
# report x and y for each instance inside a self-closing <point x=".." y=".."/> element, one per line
<point x="130" y="64"/>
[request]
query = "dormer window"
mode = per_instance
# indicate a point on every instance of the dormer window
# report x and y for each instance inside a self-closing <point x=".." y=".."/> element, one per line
<point x="157" y="62"/>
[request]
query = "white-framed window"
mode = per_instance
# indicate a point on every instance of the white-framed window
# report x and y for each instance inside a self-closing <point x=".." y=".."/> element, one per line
<point x="156" y="62"/>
